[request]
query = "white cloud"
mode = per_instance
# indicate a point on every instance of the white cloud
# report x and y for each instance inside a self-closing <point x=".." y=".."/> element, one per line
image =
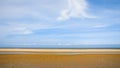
<point x="38" y="9"/>
<point x="23" y="28"/>
<point x="75" y="9"/>
<point x="14" y="28"/>
<point x="101" y="25"/>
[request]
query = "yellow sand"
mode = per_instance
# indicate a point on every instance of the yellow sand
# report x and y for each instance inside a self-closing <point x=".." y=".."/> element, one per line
<point x="60" y="61"/>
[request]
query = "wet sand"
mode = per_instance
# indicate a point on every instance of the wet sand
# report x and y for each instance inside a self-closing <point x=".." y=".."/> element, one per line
<point x="50" y="60"/>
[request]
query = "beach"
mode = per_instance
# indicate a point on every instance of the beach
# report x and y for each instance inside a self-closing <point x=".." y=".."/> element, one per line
<point x="59" y="60"/>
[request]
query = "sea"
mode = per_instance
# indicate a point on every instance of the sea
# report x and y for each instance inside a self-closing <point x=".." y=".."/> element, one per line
<point x="81" y="46"/>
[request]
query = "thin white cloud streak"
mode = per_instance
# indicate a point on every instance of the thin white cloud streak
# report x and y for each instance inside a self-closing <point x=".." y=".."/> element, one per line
<point x="80" y="35"/>
<point x="24" y="28"/>
<point x="75" y="9"/>
<point x="14" y="29"/>
<point x="101" y="26"/>
<point x="86" y="26"/>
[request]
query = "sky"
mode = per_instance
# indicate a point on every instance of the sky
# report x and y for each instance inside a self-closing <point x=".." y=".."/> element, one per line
<point x="25" y="23"/>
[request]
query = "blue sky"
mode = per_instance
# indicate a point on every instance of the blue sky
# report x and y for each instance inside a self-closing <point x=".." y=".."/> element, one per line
<point x="59" y="22"/>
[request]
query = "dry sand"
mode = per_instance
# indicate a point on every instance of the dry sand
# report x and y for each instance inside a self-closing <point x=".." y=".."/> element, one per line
<point x="80" y="51"/>
<point x="59" y="60"/>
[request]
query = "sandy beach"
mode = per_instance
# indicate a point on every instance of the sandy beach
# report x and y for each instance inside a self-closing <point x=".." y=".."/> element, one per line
<point x="57" y="51"/>
<point x="48" y="59"/>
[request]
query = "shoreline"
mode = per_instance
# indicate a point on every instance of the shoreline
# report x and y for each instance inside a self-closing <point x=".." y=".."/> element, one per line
<point x="59" y="51"/>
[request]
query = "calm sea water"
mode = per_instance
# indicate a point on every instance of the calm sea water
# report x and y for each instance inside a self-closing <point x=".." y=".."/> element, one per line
<point x="61" y="46"/>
